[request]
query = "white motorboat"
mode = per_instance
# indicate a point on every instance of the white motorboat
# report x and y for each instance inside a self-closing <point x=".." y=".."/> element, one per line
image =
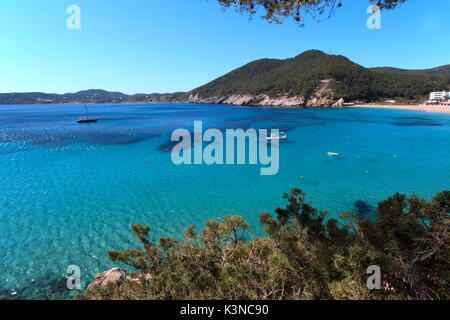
<point x="274" y="136"/>
<point x="333" y="154"/>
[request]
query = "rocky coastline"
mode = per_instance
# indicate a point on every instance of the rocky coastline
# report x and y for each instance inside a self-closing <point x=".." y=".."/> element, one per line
<point x="263" y="100"/>
<point x="321" y="97"/>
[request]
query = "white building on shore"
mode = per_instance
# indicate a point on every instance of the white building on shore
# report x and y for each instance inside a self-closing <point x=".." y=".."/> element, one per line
<point x="439" y="96"/>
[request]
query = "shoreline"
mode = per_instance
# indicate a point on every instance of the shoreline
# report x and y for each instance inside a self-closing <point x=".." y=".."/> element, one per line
<point x="425" y="108"/>
<point x="440" y="109"/>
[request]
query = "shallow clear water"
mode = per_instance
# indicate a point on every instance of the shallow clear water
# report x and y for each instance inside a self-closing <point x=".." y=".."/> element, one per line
<point x="69" y="192"/>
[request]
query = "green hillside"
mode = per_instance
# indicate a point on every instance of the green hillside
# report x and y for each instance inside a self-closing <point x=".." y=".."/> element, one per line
<point x="302" y="75"/>
<point x="442" y="71"/>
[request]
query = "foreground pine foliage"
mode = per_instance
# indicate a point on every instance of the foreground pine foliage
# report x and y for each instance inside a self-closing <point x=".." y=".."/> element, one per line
<point x="304" y="256"/>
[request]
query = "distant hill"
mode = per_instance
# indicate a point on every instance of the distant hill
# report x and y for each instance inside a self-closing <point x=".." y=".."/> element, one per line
<point x="442" y="71"/>
<point x="96" y="94"/>
<point x="313" y="78"/>
<point x="86" y="96"/>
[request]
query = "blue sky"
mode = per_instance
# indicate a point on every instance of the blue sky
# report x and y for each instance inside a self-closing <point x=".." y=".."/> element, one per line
<point x="149" y="46"/>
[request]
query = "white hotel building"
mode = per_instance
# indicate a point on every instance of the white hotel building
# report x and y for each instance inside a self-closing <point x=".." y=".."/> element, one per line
<point x="439" y="96"/>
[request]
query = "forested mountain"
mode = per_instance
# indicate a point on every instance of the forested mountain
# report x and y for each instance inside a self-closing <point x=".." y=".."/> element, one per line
<point x="311" y="71"/>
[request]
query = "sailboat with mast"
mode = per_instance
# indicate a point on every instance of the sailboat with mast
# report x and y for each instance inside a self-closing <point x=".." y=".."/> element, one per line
<point x="87" y="119"/>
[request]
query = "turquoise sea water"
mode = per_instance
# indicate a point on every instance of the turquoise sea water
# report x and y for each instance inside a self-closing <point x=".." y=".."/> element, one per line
<point x="69" y="192"/>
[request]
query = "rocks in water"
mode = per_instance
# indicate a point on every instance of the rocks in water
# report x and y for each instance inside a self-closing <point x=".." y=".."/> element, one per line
<point x="46" y="286"/>
<point x="168" y="146"/>
<point x="6" y="294"/>
<point x="116" y="276"/>
<point x="363" y="209"/>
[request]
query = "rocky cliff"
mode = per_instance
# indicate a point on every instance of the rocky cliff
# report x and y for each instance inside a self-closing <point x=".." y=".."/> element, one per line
<point x="321" y="97"/>
<point x="266" y="101"/>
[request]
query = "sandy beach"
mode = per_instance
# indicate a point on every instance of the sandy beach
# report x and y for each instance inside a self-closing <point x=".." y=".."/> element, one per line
<point x="443" y="109"/>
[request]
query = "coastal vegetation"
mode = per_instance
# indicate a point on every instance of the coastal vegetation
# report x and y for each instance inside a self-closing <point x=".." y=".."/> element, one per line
<point x="306" y="73"/>
<point x="304" y="255"/>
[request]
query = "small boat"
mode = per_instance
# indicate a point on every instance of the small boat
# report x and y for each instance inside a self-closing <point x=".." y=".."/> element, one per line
<point x="281" y="136"/>
<point x="87" y="119"/>
<point x="333" y="154"/>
